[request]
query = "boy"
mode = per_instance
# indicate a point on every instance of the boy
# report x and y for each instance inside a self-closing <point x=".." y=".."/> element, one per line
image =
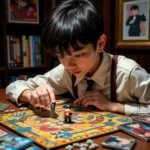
<point x="75" y="34"/>
<point x="134" y="21"/>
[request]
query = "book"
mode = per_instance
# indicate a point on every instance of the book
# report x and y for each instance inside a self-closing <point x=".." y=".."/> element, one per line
<point x="143" y="119"/>
<point x="137" y="129"/>
<point x="120" y="143"/>
<point x="12" y="142"/>
<point x="3" y="106"/>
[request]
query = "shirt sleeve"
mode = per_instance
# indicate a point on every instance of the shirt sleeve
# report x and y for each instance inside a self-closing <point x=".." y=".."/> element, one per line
<point x="56" y="78"/>
<point x="139" y="89"/>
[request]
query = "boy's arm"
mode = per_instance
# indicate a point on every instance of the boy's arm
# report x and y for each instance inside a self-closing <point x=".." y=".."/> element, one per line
<point x="138" y="88"/>
<point x="97" y="99"/>
<point x="128" y="21"/>
<point x="53" y="78"/>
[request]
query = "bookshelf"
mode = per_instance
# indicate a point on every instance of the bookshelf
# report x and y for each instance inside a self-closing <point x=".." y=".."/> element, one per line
<point x="20" y="29"/>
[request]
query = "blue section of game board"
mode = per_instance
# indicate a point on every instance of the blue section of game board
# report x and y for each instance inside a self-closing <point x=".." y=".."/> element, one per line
<point x="22" y="129"/>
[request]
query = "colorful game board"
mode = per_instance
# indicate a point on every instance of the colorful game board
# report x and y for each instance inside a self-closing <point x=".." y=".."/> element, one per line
<point x="51" y="132"/>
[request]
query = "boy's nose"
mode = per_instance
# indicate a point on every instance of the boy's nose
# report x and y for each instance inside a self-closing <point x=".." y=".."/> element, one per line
<point x="71" y="63"/>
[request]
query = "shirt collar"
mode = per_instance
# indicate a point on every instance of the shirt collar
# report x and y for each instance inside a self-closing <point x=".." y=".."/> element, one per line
<point x="100" y="75"/>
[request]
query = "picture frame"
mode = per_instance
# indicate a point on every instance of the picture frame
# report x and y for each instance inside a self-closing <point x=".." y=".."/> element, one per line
<point x="132" y="24"/>
<point x="25" y="11"/>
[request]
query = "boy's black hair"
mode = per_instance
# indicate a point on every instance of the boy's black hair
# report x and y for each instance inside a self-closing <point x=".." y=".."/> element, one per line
<point x="72" y="21"/>
<point x="134" y="7"/>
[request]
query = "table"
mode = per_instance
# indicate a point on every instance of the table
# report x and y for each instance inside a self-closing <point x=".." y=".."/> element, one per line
<point x="141" y="145"/>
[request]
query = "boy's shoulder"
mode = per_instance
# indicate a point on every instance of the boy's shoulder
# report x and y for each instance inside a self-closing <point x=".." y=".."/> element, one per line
<point x="60" y="70"/>
<point x="126" y="63"/>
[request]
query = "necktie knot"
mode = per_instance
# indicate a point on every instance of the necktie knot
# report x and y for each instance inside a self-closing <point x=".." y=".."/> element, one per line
<point x="89" y="85"/>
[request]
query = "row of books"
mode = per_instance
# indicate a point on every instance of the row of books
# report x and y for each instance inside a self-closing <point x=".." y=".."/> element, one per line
<point x="24" y="51"/>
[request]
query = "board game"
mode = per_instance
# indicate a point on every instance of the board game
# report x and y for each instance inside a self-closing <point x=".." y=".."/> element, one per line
<point x="51" y="132"/>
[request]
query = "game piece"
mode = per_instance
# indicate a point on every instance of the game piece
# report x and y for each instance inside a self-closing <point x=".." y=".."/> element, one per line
<point x="76" y="145"/>
<point x="50" y="133"/>
<point x="137" y="129"/>
<point x="6" y="111"/>
<point x="52" y="111"/>
<point x="12" y="110"/>
<point x="83" y="145"/>
<point x="9" y="141"/>
<point x="93" y="145"/>
<point x="69" y="147"/>
<point x="23" y="108"/>
<point x="3" y="106"/>
<point x="117" y="142"/>
<point x="67" y="113"/>
<point x="143" y="119"/>
<point x="89" y="141"/>
<point x="83" y="148"/>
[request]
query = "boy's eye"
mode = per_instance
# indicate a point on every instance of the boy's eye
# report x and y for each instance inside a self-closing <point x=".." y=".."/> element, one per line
<point x="79" y="55"/>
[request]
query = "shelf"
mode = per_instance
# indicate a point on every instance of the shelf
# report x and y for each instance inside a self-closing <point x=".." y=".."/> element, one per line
<point x="27" y="68"/>
<point x="23" y="29"/>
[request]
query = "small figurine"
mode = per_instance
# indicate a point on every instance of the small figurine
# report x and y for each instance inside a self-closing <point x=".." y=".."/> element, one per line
<point x="67" y="113"/>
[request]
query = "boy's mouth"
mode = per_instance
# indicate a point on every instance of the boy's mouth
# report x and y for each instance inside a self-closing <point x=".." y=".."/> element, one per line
<point x="77" y="72"/>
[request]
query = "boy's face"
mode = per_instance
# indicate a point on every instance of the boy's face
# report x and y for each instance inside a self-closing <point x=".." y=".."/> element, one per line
<point x="83" y="62"/>
<point x="134" y="12"/>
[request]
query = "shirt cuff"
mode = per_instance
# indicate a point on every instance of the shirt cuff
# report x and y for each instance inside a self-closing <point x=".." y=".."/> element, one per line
<point x="131" y="109"/>
<point x="16" y="93"/>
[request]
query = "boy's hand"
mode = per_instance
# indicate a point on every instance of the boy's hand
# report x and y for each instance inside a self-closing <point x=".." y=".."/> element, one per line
<point x="97" y="99"/>
<point x="94" y="98"/>
<point x="132" y="21"/>
<point x="42" y="95"/>
<point x="139" y="12"/>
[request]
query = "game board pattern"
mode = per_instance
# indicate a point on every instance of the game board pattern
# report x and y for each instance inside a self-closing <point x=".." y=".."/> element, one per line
<point x="52" y="132"/>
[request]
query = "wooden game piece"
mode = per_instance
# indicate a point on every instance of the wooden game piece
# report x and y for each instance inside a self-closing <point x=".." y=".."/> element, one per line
<point x="69" y="147"/>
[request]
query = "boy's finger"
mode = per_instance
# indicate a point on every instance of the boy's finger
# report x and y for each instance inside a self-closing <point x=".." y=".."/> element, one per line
<point x="79" y="100"/>
<point x="51" y="95"/>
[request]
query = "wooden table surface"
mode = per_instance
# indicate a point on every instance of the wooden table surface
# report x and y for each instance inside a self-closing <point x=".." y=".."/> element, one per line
<point x="141" y="145"/>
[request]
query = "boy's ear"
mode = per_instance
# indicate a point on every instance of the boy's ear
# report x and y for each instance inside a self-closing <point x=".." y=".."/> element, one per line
<point x="101" y="43"/>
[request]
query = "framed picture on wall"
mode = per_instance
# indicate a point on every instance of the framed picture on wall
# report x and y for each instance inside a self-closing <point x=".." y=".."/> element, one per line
<point x="23" y="11"/>
<point x="133" y="24"/>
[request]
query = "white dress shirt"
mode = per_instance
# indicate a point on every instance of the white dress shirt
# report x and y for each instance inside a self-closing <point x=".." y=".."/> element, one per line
<point x="132" y="83"/>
